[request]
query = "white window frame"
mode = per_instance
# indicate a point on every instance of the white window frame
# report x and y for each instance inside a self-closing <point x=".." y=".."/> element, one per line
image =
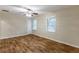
<point x="53" y="29"/>
<point x="33" y="25"/>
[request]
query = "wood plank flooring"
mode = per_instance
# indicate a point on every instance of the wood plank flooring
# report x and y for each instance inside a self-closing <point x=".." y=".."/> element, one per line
<point x="34" y="44"/>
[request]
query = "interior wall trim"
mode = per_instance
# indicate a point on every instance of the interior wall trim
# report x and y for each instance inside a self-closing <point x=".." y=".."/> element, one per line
<point x="12" y="36"/>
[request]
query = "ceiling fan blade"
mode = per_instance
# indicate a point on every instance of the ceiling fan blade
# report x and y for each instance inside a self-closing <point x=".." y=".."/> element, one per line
<point x="35" y="13"/>
<point x="5" y="10"/>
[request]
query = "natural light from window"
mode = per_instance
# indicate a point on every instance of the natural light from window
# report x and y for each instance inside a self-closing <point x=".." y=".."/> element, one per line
<point x="51" y="24"/>
<point x="34" y="24"/>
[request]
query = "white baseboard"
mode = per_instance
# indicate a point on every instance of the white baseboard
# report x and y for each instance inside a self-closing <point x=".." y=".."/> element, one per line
<point x="5" y="37"/>
<point x="58" y="41"/>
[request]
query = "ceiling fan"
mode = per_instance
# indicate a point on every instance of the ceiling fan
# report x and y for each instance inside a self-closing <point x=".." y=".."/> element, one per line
<point x="29" y="12"/>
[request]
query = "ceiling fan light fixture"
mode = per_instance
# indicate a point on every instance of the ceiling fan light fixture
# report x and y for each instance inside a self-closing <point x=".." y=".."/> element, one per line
<point x="28" y="15"/>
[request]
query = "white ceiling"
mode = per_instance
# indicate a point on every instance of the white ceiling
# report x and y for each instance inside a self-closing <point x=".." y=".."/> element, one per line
<point x="47" y="8"/>
<point x="22" y="9"/>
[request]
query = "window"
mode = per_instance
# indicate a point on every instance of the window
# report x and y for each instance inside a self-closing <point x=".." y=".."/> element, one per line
<point x="51" y="24"/>
<point x="34" y="25"/>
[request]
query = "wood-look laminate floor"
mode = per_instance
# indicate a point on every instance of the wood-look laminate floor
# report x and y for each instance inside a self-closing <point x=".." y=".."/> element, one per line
<point x="32" y="43"/>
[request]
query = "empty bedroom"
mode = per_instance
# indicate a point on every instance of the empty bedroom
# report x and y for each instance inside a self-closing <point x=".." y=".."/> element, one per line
<point x="39" y="29"/>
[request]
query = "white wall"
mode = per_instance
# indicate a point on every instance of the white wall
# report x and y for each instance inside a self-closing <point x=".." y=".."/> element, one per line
<point x="12" y="25"/>
<point x="29" y="25"/>
<point x="67" y="28"/>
